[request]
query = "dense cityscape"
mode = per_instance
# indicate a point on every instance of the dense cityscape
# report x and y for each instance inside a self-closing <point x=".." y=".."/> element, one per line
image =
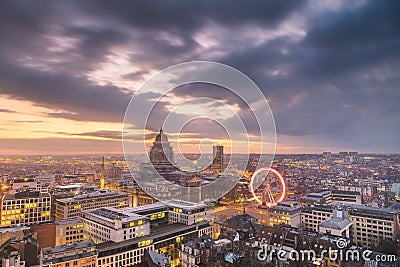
<point x="88" y="210"/>
<point x="208" y="133"/>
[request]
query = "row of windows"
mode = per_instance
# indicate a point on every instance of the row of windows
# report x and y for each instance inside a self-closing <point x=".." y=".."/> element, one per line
<point x="132" y="257"/>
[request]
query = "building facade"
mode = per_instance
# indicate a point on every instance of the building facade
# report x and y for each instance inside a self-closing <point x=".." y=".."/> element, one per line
<point x="68" y="231"/>
<point x="70" y="208"/>
<point x="346" y="197"/>
<point x="111" y="224"/>
<point x="162" y="227"/>
<point x="81" y="254"/>
<point x="286" y="212"/>
<point x="25" y="207"/>
<point x="370" y="224"/>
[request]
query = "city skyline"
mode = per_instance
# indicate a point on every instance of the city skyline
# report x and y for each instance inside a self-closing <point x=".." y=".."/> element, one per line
<point x="69" y="69"/>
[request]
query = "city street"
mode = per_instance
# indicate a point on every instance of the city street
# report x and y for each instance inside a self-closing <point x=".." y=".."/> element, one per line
<point x="227" y="211"/>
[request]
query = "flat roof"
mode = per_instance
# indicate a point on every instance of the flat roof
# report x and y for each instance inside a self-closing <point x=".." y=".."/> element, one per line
<point x="185" y="204"/>
<point x="287" y="206"/>
<point x="157" y="232"/>
<point x="67" y="247"/>
<point x="319" y="194"/>
<point x="372" y="209"/>
<point x="110" y="214"/>
<point x="335" y="223"/>
<point x="13" y="229"/>
<point x="31" y="194"/>
<point x="156" y="205"/>
<point x="94" y="195"/>
<point x="344" y="192"/>
<point x="68" y="221"/>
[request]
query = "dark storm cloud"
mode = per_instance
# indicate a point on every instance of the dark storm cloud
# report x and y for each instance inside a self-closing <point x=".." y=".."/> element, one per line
<point x="187" y="16"/>
<point x="353" y="39"/>
<point x="337" y="84"/>
<point x="86" y="101"/>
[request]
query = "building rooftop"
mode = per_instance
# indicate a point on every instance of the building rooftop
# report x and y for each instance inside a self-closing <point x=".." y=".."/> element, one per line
<point x="69" y="247"/>
<point x="13" y="228"/>
<point x="153" y="206"/>
<point x="343" y="192"/>
<point x="158" y="258"/>
<point x="94" y="195"/>
<point x="206" y="240"/>
<point x="319" y="194"/>
<point x="355" y="208"/>
<point x="159" y="232"/>
<point x="26" y="194"/>
<point x="110" y="214"/>
<point x="287" y="206"/>
<point x="65" y="222"/>
<point x="335" y="223"/>
<point x="185" y="205"/>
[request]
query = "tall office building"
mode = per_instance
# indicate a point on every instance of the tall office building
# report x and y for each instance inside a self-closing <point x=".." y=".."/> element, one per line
<point x="217" y="165"/>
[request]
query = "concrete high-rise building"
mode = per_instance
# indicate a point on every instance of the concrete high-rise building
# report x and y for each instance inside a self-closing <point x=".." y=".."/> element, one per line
<point x="217" y="165"/>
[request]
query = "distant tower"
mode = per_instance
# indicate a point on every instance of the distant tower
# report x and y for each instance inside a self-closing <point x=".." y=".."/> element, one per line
<point x="102" y="180"/>
<point x="217" y="165"/>
<point x="161" y="152"/>
<point x="162" y="156"/>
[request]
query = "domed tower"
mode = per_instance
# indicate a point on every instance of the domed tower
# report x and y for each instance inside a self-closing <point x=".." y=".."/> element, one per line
<point x="161" y="152"/>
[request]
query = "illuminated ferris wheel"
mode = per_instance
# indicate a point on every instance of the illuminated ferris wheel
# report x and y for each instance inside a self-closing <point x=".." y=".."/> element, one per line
<point x="267" y="186"/>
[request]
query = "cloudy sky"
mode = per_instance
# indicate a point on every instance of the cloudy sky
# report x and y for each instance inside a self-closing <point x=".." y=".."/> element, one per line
<point x="329" y="69"/>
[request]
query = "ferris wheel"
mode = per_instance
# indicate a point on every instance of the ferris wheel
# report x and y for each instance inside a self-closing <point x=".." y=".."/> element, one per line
<point x="267" y="186"/>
